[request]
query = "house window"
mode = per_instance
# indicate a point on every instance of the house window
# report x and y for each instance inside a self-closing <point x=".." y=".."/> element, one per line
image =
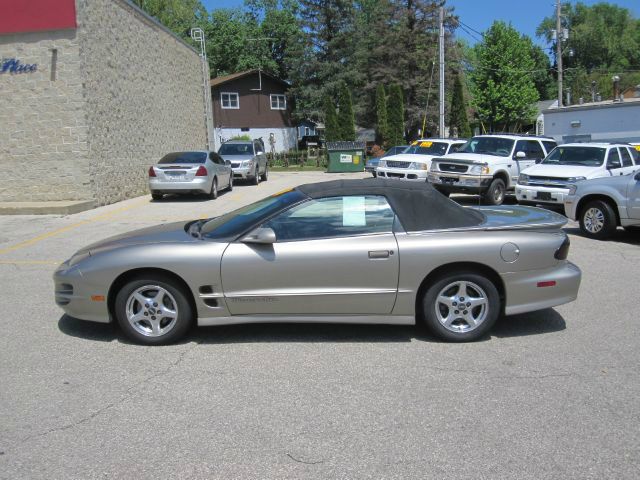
<point x="278" y="102"/>
<point x="229" y="100"/>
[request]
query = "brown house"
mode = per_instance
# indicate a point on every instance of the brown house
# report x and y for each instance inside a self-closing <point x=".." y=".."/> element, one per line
<point x="253" y="103"/>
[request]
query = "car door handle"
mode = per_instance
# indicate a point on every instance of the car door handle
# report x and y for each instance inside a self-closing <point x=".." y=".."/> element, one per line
<point x="379" y="254"/>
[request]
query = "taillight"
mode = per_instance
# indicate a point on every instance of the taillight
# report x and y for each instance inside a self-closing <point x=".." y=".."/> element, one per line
<point x="152" y="172"/>
<point x="563" y="252"/>
<point x="202" y="172"/>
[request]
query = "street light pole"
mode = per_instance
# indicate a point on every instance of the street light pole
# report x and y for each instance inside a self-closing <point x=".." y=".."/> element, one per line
<point x="197" y="34"/>
<point x="559" y="49"/>
<point x="441" y="52"/>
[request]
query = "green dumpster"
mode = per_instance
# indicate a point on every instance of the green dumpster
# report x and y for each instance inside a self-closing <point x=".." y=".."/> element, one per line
<point x="346" y="156"/>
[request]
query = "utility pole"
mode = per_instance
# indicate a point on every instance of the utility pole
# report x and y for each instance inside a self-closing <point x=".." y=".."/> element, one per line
<point x="441" y="49"/>
<point x="559" y="49"/>
<point x="197" y="34"/>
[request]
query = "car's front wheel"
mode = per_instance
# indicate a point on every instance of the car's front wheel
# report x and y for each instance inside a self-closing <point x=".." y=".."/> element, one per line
<point x="256" y="176"/>
<point x="461" y="307"/>
<point x="153" y="310"/>
<point x="495" y="193"/>
<point x="598" y="220"/>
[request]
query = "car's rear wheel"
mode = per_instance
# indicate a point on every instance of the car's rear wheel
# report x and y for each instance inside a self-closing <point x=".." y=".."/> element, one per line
<point x="265" y="175"/>
<point x="231" y="182"/>
<point x="157" y="196"/>
<point x="461" y="307"/>
<point x="153" y="310"/>
<point x="495" y="193"/>
<point x="213" y="194"/>
<point x="598" y="220"/>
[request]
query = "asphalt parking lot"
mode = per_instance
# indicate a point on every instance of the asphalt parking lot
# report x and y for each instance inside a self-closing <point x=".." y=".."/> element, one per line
<point x="551" y="394"/>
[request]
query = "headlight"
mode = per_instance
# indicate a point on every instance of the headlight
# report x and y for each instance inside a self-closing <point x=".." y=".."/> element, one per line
<point x="575" y="179"/>
<point x="523" y="179"/>
<point x="247" y="163"/>
<point x="479" y="170"/>
<point x="418" y="166"/>
<point x="382" y="163"/>
<point x="78" y="257"/>
<point x="572" y="189"/>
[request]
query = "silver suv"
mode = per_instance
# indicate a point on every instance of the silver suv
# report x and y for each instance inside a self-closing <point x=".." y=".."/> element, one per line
<point x="488" y="165"/>
<point x="247" y="158"/>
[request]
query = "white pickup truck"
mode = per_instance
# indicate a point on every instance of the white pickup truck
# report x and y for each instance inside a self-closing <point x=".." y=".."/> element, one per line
<point x="488" y="165"/>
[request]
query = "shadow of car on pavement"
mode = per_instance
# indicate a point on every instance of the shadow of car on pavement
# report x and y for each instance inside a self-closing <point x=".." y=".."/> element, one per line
<point x="534" y="323"/>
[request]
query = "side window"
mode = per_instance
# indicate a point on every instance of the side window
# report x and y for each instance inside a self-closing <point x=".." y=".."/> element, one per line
<point x="613" y="160"/>
<point x="454" y="147"/>
<point x="548" y="145"/>
<point x="535" y="150"/>
<point x="626" y="158"/>
<point x="521" y="146"/>
<point x="635" y="154"/>
<point x="334" y="217"/>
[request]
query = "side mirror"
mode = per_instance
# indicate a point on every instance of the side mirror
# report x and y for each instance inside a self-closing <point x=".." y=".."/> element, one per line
<point x="260" y="235"/>
<point x="521" y="154"/>
<point x="614" y="164"/>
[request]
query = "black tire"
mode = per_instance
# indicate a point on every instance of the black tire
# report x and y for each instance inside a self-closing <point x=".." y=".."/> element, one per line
<point x="598" y="220"/>
<point x="231" y="182"/>
<point x="213" y="194"/>
<point x="256" y="176"/>
<point x="461" y="330"/>
<point x="495" y="193"/>
<point x="184" y="313"/>
<point x="265" y="175"/>
<point x="157" y="196"/>
<point x="375" y="175"/>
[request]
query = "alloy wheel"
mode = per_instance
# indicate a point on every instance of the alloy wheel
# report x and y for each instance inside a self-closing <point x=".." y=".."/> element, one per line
<point x="152" y="311"/>
<point x="593" y="220"/>
<point x="461" y="306"/>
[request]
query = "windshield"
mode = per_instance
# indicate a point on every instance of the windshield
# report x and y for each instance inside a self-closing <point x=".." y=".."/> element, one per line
<point x="500" y="147"/>
<point x="184" y="157"/>
<point x="437" y="149"/>
<point x="583" y="156"/>
<point x="395" y="150"/>
<point x="236" y="149"/>
<point x="239" y="221"/>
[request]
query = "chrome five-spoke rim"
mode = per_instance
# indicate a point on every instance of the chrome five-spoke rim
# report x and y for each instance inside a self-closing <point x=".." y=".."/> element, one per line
<point x="152" y="311"/>
<point x="461" y="306"/>
<point x="593" y="220"/>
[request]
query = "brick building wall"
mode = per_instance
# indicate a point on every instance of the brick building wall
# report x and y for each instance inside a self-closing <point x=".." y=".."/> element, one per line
<point x="107" y="100"/>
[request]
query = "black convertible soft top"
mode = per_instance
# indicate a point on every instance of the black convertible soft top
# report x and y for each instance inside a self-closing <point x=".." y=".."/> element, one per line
<point x="419" y="205"/>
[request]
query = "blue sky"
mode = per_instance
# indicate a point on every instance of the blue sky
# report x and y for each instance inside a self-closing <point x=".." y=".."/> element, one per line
<point x="524" y="15"/>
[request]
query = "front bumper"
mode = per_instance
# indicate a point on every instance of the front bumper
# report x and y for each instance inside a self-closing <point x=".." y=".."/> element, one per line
<point x="402" y="174"/>
<point x="458" y="182"/>
<point x="524" y="295"/>
<point x="198" y="184"/>
<point x="244" y="172"/>
<point x="548" y="195"/>
<point x="78" y="297"/>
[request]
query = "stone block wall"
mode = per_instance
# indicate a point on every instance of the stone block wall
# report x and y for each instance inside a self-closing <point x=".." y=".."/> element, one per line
<point x="143" y="96"/>
<point x="43" y="125"/>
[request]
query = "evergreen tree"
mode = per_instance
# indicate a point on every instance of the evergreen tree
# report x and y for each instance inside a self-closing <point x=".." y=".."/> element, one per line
<point x="395" y="116"/>
<point x="458" y="121"/>
<point x="382" y="136"/>
<point x="331" y="129"/>
<point x="346" y="124"/>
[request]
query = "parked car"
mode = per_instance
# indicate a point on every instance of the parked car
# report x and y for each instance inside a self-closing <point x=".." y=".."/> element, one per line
<point x="603" y="204"/>
<point x="415" y="161"/>
<point x="190" y="172"/>
<point x="346" y="251"/>
<point x="549" y="182"/>
<point x="247" y="159"/>
<point x="372" y="163"/>
<point x="488" y="165"/>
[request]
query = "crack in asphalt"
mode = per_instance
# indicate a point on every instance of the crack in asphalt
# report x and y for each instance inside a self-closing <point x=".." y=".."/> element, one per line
<point x="127" y="394"/>
<point x="515" y="376"/>
<point x="303" y="461"/>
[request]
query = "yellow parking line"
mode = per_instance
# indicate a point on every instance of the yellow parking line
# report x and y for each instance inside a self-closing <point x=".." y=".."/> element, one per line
<point x="58" y="231"/>
<point x="30" y="262"/>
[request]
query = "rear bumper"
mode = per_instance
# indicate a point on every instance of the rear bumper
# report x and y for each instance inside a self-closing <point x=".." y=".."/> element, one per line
<point x="200" y="184"/>
<point x="402" y="174"/>
<point x="524" y="295"/>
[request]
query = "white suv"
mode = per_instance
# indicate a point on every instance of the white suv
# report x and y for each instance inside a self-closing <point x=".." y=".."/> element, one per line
<point x="488" y="165"/>
<point x="415" y="161"/>
<point x="549" y="182"/>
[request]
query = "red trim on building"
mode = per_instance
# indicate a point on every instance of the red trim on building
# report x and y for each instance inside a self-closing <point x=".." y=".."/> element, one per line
<point x="21" y="16"/>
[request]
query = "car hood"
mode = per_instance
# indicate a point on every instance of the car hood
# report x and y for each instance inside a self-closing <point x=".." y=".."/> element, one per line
<point x="165" y="233"/>
<point x="410" y="157"/>
<point x="471" y="157"/>
<point x="563" y="171"/>
<point x="236" y="158"/>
